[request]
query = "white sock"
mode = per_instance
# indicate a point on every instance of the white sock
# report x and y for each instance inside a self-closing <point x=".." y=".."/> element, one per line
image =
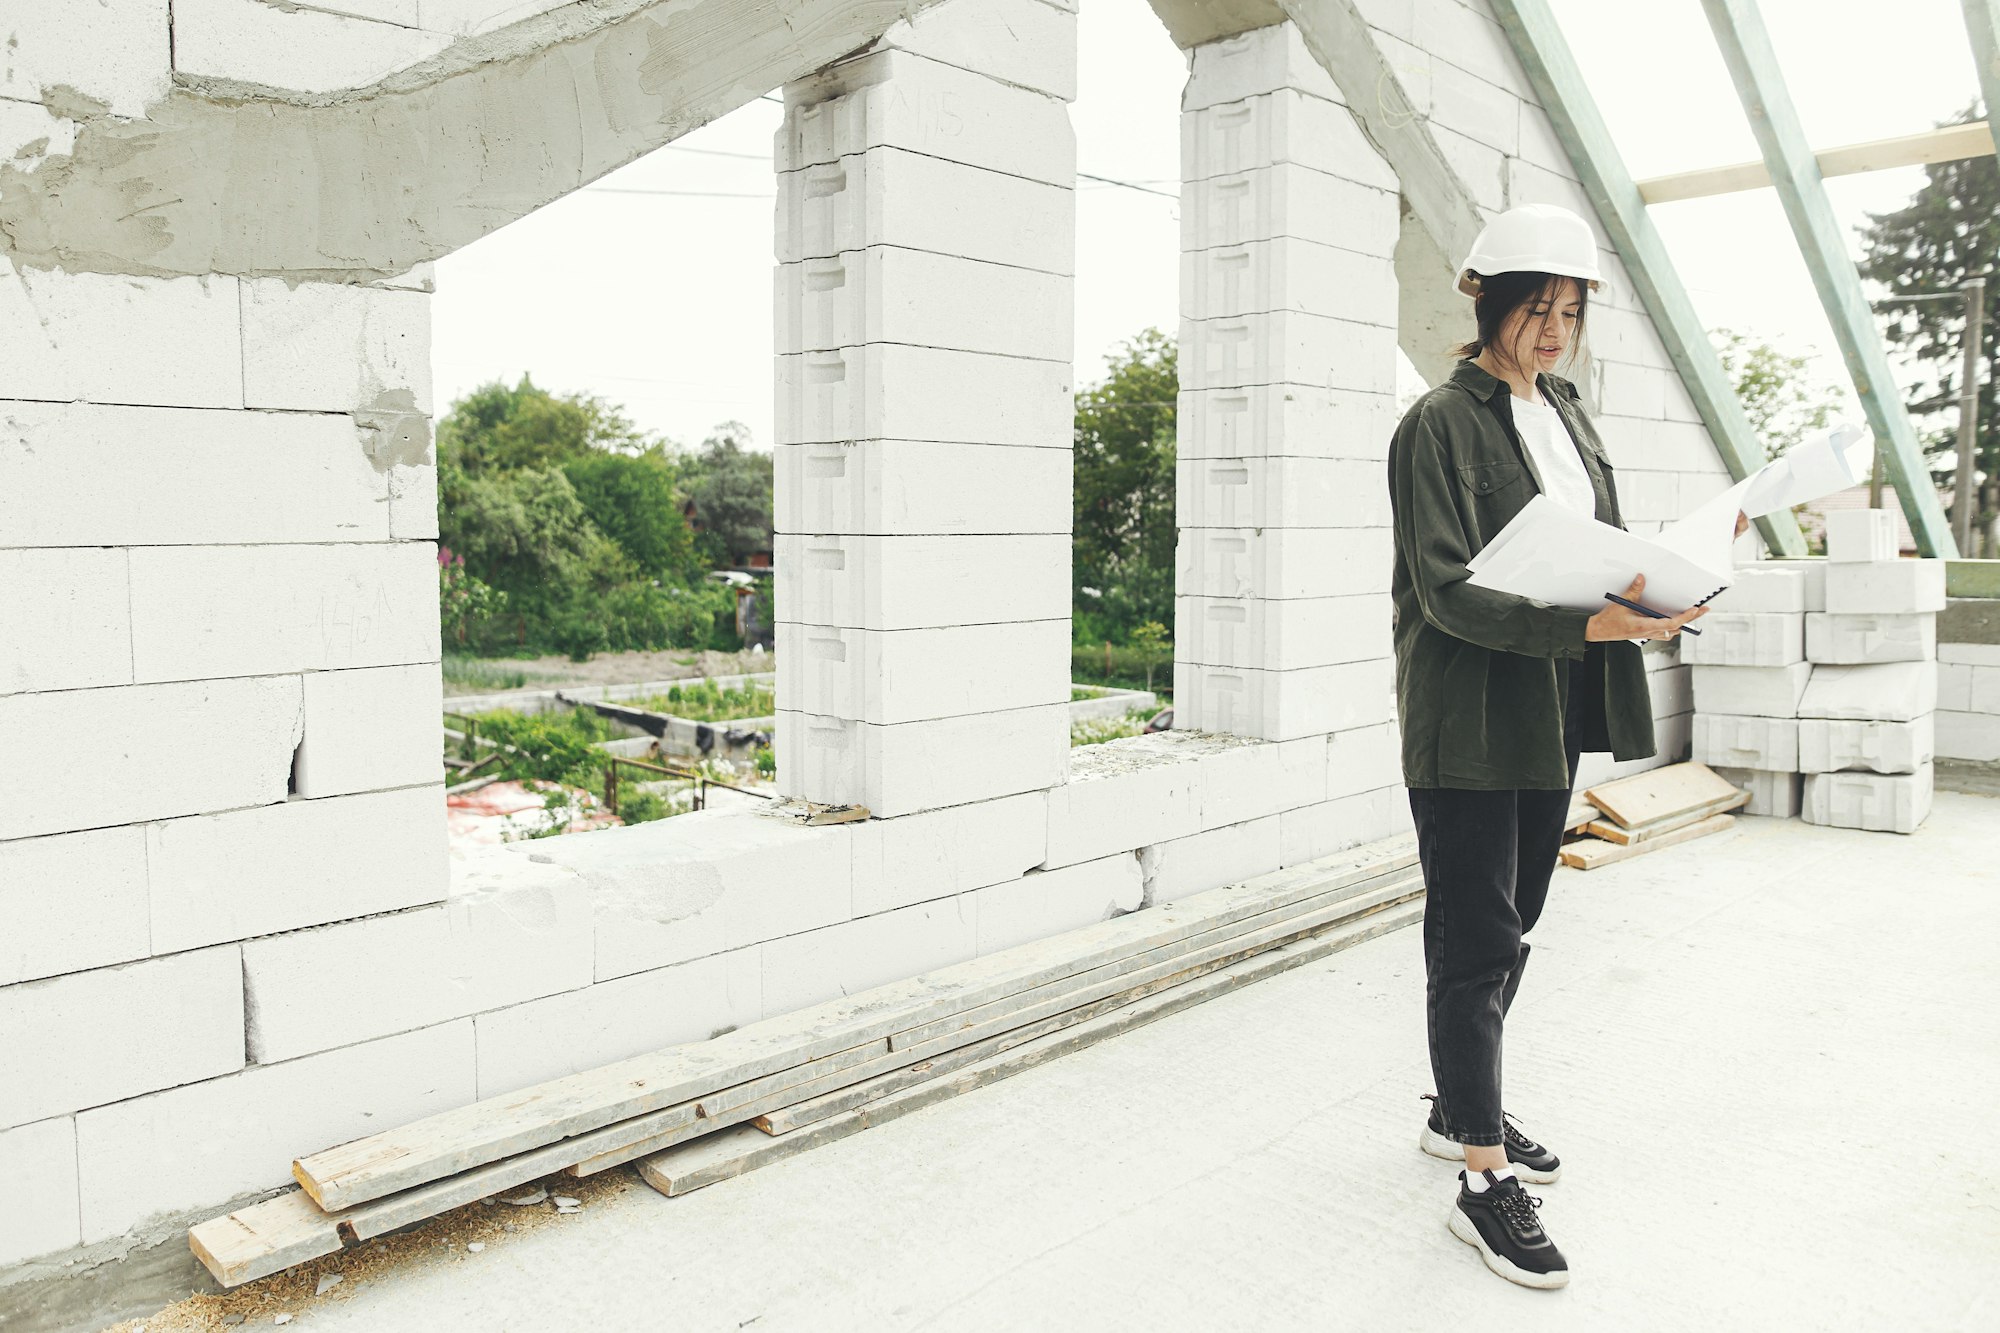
<point x="1476" y="1180"/>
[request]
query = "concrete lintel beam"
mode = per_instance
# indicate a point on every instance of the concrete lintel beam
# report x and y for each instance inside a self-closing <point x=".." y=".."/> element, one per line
<point x="1192" y="22"/>
<point x="366" y="183"/>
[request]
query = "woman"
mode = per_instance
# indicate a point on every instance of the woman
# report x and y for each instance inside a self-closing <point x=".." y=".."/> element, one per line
<point x="1499" y="695"/>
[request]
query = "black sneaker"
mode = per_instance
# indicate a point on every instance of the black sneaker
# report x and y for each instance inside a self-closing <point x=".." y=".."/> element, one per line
<point x="1500" y="1223"/>
<point x="1531" y="1161"/>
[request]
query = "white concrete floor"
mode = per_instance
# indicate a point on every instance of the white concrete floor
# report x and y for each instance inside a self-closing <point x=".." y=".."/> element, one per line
<point x="1768" y="1059"/>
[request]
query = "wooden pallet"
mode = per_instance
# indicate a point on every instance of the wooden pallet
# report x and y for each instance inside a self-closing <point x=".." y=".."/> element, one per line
<point x="588" y="1122"/>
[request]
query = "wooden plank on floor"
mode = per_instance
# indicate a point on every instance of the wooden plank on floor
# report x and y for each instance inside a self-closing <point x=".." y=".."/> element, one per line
<point x="721" y="1157"/>
<point x="497" y="1128"/>
<point x="1659" y="794"/>
<point x="1612" y="831"/>
<point x="1588" y="855"/>
<point x="1581" y="812"/>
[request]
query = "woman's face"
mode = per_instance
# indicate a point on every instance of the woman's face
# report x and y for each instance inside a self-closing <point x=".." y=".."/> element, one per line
<point x="1540" y="331"/>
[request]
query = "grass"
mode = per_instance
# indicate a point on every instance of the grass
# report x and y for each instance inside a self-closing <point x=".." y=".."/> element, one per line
<point x="1097" y="730"/>
<point x="705" y="701"/>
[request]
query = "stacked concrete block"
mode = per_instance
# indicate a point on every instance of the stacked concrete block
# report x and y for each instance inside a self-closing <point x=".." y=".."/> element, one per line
<point x="1749" y="673"/>
<point x="924" y="293"/>
<point x="1288" y="351"/>
<point x="1968" y="720"/>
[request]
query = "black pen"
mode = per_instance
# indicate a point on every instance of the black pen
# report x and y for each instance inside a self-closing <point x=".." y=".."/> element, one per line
<point x="1648" y="611"/>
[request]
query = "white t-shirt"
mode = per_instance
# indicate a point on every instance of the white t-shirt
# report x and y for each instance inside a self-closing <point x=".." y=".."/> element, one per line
<point x="1564" y="479"/>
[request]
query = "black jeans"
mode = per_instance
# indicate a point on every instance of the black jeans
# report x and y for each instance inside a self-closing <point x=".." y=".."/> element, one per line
<point x="1487" y="857"/>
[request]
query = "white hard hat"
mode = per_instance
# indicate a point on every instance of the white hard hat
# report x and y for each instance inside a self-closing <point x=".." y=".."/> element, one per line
<point x="1532" y="238"/>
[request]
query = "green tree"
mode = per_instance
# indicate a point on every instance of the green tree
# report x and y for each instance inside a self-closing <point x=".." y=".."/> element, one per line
<point x="1947" y="233"/>
<point x="499" y="429"/>
<point x="632" y="500"/>
<point x="1779" y="393"/>
<point x="730" y="484"/>
<point x="1123" y="562"/>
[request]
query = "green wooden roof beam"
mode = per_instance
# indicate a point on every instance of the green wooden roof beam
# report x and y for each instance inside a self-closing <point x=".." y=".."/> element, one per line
<point x="1753" y="65"/>
<point x="1983" y="26"/>
<point x="1558" y="83"/>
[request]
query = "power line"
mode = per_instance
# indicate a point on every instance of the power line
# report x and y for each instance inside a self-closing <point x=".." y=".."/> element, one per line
<point x="1106" y="180"/>
<point x="719" y="152"/>
<point x="691" y="194"/>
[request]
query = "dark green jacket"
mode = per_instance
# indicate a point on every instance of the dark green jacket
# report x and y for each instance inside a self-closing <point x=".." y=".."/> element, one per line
<point x="1478" y="688"/>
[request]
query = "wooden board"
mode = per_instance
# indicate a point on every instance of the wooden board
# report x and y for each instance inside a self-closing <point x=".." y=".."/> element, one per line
<point x="1588" y="855"/>
<point x="1659" y="794"/>
<point x="724" y="1156"/>
<point x="1611" y="831"/>
<point x="498" y="1128"/>
<point x="1581" y="813"/>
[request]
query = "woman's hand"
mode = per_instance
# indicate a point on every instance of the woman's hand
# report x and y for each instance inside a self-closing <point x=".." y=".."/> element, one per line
<point x="1616" y="622"/>
<point x="1742" y="523"/>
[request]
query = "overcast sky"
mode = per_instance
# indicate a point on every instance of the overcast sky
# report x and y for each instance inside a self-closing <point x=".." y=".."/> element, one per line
<point x="661" y="301"/>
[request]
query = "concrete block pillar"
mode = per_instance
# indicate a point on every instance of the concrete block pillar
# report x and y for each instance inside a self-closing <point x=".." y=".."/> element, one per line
<point x="926" y="237"/>
<point x="1288" y="368"/>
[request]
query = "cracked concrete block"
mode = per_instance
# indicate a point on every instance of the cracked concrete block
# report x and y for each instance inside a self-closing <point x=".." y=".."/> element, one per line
<point x="1290" y="420"/>
<point x="676" y="889"/>
<point x="88" y="1038"/>
<point x="849" y="956"/>
<point x="938" y="853"/>
<point x="72" y="902"/>
<point x="910" y="766"/>
<point x="1766" y="590"/>
<point x="1262" y="60"/>
<point x="68" y="618"/>
<point x="298" y="49"/>
<point x="336" y="347"/>
<point x="100" y="338"/>
<point x="1119" y="797"/>
<point x="1742" y="691"/>
<point x="882" y="391"/>
<point x="1283" y="705"/>
<point x="900" y="99"/>
<point x="1827" y="746"/>
<point x="1027" y="43"/>
<point x="1282" y="492"/>
<point x="889" y="294"/>
<point x="40" y="1161"/>
<point x="893" y="676"/>
<point x="1210" y="859"/>
<point x="1860" y="536"/>
<point x="1722" y="740"/>
<point x="890" y="196"/>
<point x="196" y="1146"/>
<point x="1853" y="640"/>
<point x="1284" y="125"/>
<point x="1749" y="639"/>
<point x="922" y="582"/>
<point x="1049" y="902"/>
<point x="1247" y="779"/>
<point x="1312" y="831"/>
<point x="1885" y="587"/>
<point x="1884" y="692"/>
<point x="115" y="52"/>
<point x="1878" y="802"/>
<point x="1774" y="794"/>
<point x="178" y="749"/>
<point x="1282" y="635"/>
<point x="1287" y="347"/>
<point x="172" y="476"/>
<point x="1363" y="759"/>
<point x="581" y="1030"/>
<point x="1288" y="200"/>
<point x="478" y="950"/>
<point x="299" y="863"/>
<point x="1286" y="273"/>
<point x="919" y="488"/>
<point x="201" y="611"/>
<point x="1282" y="562"/>
<point x="370" y="729"/>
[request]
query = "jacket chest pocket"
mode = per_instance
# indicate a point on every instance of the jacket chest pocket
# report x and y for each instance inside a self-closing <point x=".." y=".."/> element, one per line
<point x="1489" y="478"/>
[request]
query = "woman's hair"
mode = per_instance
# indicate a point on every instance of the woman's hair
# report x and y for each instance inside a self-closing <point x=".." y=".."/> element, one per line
<point x="1501" y="294"/>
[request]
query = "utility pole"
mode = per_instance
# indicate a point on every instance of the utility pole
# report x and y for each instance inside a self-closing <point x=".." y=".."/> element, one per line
<point x="1965" y="492"/>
